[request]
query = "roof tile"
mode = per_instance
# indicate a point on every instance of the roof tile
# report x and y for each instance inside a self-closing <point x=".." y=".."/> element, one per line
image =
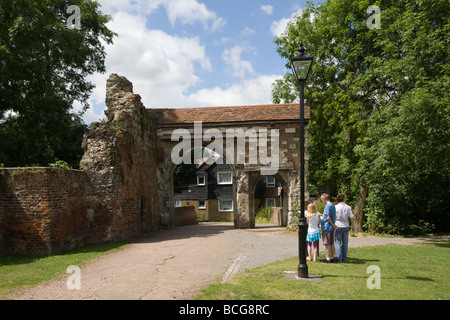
<point x="267" y="112"/>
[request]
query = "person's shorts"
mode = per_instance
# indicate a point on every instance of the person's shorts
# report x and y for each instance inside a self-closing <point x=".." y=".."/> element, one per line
<point x="328" y="237"/>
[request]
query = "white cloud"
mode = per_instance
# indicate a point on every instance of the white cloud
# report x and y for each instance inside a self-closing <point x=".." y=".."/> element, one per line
<point x="247" y="31"/>
<point x="248" y="92"/>
<point x="90" y="116"/>
<point x="239" y="68"/>
<point x="278" y="27"/>
<point x="141" y="7"/>
<point x="191" y="11"/>
<point x="268" y="9"/>
<point x="165" y="69"/>
<point x="161" y="66"/>
<point x="183" y="11"/>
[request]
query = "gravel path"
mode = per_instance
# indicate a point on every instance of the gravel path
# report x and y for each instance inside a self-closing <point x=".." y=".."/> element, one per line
<point x="175" y="264"/>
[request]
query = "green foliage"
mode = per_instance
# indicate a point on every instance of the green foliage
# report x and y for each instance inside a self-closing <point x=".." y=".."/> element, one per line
<point x="408" y="166"/>
<point x="43" y="70"/>
<point x="320" y="206"/>
<point x="183" y="176"/>
<point x="379" y="106"/>
<point x="60" y="164"/>
<point x="25" y="142"/>
<point x="264" y="215"/>
<point x="200" y="216"/>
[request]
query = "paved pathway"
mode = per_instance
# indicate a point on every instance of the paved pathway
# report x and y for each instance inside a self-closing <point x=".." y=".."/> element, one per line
<point x="177" y="263"/>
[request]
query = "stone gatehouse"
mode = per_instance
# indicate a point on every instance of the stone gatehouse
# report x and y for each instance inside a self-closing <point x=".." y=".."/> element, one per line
<point x="125" y="185"/>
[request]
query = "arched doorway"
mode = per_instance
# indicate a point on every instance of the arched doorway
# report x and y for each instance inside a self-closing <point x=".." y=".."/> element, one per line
<point x="269" y="191"/>
<point x="209" y="188"/>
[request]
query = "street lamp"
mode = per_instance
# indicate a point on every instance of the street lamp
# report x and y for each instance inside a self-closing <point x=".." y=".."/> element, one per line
<point x="301" y="65"/>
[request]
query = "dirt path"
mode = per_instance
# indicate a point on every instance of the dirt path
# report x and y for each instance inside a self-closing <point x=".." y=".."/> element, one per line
<point x="177" y="263"/>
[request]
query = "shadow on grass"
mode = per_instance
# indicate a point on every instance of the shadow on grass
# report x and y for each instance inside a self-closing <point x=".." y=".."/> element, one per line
<point x="419" y="278"/>
<point x="359" y="261"/>
<point x="383" y="278"/>
<point x="438" y="242"/>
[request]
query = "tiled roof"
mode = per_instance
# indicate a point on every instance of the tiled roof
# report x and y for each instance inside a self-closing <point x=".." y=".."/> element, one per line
<point x="267" y="112"/>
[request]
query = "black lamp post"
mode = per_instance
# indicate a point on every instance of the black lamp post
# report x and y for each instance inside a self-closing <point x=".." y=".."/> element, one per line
<point x="301" y="65"/>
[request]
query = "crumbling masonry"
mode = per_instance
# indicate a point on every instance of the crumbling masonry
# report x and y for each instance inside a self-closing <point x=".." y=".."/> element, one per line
<point x="125" y="187"/>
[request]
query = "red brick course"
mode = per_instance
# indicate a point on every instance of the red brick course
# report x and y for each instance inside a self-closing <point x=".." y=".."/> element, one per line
<point x="42" y="210"/>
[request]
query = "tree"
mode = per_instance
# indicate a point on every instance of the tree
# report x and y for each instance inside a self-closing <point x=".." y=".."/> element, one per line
<point x="185" y="174"/>
<point x="360" y="81"/>
<point x="43" y="70"/>
<point x="183" y="177"/>
<point x="407" y="162"/>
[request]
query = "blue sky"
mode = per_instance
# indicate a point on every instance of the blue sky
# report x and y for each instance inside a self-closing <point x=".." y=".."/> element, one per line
<point x="194" y="53"/>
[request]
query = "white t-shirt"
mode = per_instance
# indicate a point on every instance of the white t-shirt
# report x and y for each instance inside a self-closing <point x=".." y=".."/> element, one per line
<point x="313" y="226"/>
<point x="343" y="213"/>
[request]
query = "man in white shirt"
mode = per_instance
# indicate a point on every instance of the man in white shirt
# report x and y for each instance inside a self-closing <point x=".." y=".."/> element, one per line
<point x="343" y="213"/>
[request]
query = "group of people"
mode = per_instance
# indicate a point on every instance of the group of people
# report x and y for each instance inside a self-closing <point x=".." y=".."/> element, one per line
<point x="334" y="223"/>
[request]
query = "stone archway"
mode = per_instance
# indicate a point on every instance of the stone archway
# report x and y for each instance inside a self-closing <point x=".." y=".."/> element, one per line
<point x="128" y="158"/>
<point x="255" y="180"/>
<point x="169" y="207"/>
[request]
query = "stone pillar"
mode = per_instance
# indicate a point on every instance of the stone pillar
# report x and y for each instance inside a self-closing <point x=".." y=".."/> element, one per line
<point x="165" y="189"/>
<point x="242" y="218"/>
<point x="294" y="196"/>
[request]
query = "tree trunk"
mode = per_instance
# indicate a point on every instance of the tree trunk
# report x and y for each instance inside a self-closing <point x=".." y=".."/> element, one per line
<point x="359" y="209"/>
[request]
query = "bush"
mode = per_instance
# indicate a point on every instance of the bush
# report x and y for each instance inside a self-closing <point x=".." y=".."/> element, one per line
<point x="60" y="164"/>
<point x="264" y="215"/>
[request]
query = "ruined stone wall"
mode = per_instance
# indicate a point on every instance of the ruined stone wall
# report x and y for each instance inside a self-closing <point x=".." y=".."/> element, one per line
<point x="113" y="197"/>
<point x="42" y="210"/>
<point x="126" y="183"/>
<point x="120" y="162"/>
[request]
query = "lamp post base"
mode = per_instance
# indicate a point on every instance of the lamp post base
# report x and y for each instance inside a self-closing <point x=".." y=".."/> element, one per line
<point x="302" y="271"/>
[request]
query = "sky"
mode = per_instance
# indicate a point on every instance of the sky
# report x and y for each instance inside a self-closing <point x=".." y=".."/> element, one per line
<point x="194" y="53"/>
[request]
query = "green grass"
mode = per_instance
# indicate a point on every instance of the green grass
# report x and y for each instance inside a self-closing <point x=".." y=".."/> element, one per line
<point x="19" y="272"/>
<point x="417" y="272"/>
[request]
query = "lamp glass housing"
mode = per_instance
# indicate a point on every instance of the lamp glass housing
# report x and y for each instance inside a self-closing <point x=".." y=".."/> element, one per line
<point x="301" y="67"/>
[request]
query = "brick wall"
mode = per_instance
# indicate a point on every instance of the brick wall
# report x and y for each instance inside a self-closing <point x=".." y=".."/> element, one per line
<point x="42" y="210"/>
<point x="185" y="216"/>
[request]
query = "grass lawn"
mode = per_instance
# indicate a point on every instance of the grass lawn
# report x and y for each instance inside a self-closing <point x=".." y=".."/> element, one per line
<point x="416" y="272"/>
<point x="18" y="272"/>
